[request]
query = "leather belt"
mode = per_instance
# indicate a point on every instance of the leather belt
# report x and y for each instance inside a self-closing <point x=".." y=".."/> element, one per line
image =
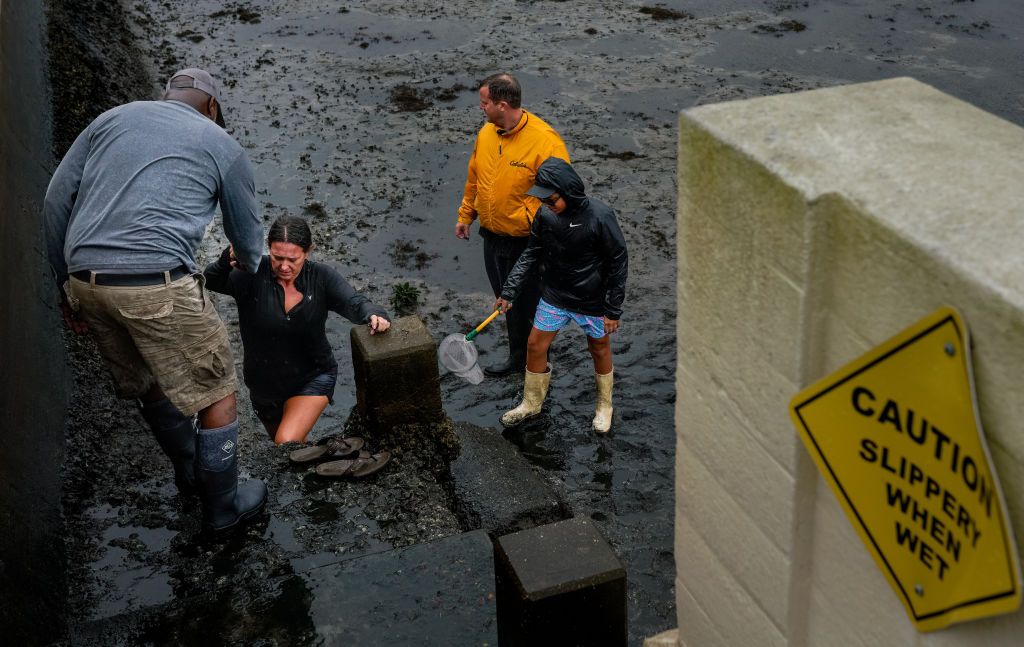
<point x="131" y="280"/>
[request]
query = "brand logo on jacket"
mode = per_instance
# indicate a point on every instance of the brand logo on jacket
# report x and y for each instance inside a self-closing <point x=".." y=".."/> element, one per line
<point x="518" y="164"/>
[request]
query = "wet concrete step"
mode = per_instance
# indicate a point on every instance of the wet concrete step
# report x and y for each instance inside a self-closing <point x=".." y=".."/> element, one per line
<point x="436" y="593"/>
<point x="496" y="488"/>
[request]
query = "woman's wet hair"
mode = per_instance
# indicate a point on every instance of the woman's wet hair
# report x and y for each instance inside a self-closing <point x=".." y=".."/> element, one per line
<point x="503" y="87"/>
<point x="291" y="229"/>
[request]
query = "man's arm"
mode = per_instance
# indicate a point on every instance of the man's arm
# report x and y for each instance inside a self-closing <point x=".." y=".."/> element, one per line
<point x="57" y="207"/>
<point x="467" y="210"/>
<point x="60" y="201"/>
<point x="558" y="149"/>
<point x="241" y="217"/>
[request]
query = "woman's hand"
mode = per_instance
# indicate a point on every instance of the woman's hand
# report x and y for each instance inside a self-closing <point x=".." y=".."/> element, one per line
<point x="502" y="304"/>
<point x="232" y="259"/>
<point x="378" y="324"/>
<point x="71" y="319"/>
<point x="610" y="325"/>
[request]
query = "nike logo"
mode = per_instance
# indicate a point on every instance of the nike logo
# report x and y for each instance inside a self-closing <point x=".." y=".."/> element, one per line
<point x="578" y="224"/>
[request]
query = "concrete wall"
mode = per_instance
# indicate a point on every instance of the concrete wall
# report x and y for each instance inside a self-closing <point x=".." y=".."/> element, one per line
<point x="812" y="227"/>
<point x="34" y="380"/>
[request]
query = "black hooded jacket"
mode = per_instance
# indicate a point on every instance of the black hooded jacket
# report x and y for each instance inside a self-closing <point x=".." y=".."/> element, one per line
<point x="582" y="251"/>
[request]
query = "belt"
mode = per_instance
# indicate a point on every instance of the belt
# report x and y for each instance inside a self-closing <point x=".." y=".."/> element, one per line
<point x="131" y="280"/>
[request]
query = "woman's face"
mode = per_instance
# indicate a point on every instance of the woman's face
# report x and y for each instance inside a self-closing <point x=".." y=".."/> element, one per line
<point x="286" y="260"/>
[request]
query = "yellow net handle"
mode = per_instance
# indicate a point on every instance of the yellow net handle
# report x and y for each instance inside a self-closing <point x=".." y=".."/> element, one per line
<point x="477" y="330"/>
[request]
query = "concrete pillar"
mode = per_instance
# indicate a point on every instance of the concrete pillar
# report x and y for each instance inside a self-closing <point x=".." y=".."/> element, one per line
<point x="559" y="584"/>
<point x="396" y="375"/>
<point x="812" y="227"/>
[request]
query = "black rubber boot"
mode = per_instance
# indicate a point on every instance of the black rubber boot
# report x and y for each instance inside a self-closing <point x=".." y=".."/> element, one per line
<point x="176" y="434"/>
<point x="226" y="503"/>
<point x="511" y="365"/>
<point x="518" y="334"/>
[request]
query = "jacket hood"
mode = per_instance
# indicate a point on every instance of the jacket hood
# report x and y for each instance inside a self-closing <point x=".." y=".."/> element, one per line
<point x="558" y="174"/>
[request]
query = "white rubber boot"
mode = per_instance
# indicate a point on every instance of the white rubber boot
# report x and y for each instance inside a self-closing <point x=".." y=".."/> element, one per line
<point x="603" y="408"/>
<point x="535" y="389"/>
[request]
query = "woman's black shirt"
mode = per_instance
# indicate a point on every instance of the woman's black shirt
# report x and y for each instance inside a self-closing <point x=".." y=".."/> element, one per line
<point x="285" y="350"/>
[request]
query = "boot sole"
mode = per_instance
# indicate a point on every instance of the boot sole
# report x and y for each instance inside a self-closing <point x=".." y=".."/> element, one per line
<point x="520" y="422"/>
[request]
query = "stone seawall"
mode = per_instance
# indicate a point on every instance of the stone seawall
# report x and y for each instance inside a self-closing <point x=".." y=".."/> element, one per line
<point x="50" y="64"/>
<point x="33" y="395"/>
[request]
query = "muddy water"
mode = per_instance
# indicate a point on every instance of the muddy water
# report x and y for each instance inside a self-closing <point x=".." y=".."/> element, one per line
<point x="362" y="117"/>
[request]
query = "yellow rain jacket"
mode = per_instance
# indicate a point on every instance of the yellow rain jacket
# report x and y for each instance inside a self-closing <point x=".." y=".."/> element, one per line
<point x="501" y="171"/>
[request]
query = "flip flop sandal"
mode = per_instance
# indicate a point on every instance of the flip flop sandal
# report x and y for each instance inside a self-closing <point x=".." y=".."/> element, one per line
<point x="370" y="465"/>
<point x="356" y="467"/>
<point x="336" y="447"/>
<point x="338" y="469"/>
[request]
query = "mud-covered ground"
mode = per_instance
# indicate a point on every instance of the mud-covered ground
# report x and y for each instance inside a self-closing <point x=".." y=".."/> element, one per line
<point x="362" y="116"/>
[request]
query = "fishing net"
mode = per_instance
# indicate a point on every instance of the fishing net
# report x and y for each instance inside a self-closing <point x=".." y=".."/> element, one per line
<point x="459" y="356"/>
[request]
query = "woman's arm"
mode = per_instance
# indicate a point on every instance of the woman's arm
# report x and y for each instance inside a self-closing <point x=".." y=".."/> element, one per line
<point x="218" y="274"/>
<point x="343" y="299"/>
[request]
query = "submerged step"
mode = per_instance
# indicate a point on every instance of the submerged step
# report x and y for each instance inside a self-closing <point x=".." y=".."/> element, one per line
<point x="442" y="589"/>
<point x="438" y="593"/>
<point x="496" y="488"/>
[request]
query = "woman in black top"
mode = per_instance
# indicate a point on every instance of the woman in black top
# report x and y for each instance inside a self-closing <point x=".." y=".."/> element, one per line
<point x="289" y="366"/>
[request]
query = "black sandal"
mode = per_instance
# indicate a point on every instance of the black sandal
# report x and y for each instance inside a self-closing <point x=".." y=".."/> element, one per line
<point x="364" y="465"/>
<point x="335" y="448"/>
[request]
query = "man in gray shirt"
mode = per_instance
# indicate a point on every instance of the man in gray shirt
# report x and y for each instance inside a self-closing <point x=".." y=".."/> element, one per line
<point x="124" y="214"/>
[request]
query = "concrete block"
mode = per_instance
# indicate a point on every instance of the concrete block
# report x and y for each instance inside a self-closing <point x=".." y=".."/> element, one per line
<point x="731" y="447"/>
<point x="737" y="541"/>
<point x="749" y="391"/>
<point x="559" y="584"/>
<point x="735" y="612"/>
<point x="1011" y="480"/>
<point x="496" y="488"/>
<point x="830" y="623"/>
<point x="668" y="638"/>
<point x="396" y="375"/>
<point x="813" y="226"/>
<point x="850" y="596"/>
<point x="1000" y="630"/>
<point x="695" y="627"/>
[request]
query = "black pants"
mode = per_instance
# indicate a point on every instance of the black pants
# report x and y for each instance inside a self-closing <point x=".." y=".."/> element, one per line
<point x="500" y="256"/>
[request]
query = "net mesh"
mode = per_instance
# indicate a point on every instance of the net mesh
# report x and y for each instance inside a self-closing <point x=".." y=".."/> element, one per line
<point x="459" y="356"/>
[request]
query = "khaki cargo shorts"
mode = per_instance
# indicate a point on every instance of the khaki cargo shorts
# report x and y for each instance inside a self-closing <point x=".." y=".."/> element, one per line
<point x="166" y="334"/>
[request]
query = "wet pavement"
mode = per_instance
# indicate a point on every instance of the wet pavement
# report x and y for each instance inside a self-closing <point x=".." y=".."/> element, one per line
<point x="362" y="118"/>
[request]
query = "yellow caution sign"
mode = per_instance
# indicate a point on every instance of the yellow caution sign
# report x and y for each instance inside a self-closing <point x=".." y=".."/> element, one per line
<point x="896" y="435"/>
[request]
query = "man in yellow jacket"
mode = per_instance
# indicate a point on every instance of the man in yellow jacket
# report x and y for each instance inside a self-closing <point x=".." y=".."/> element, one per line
<point x="508" y="150"/>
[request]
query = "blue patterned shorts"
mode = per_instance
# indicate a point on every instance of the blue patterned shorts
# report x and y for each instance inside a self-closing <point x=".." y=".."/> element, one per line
<point x="552" y="319"/>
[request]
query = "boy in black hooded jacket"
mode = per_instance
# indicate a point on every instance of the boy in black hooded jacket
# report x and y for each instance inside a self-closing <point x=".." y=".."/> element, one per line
<point x="583" y="275"/>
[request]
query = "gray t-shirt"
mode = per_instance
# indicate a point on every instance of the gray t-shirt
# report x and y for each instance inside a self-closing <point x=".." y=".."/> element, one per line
<point x="137" y="189"/>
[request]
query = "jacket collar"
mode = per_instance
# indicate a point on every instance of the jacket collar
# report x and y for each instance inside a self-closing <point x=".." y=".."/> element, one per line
<point x="519" y="126"/>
